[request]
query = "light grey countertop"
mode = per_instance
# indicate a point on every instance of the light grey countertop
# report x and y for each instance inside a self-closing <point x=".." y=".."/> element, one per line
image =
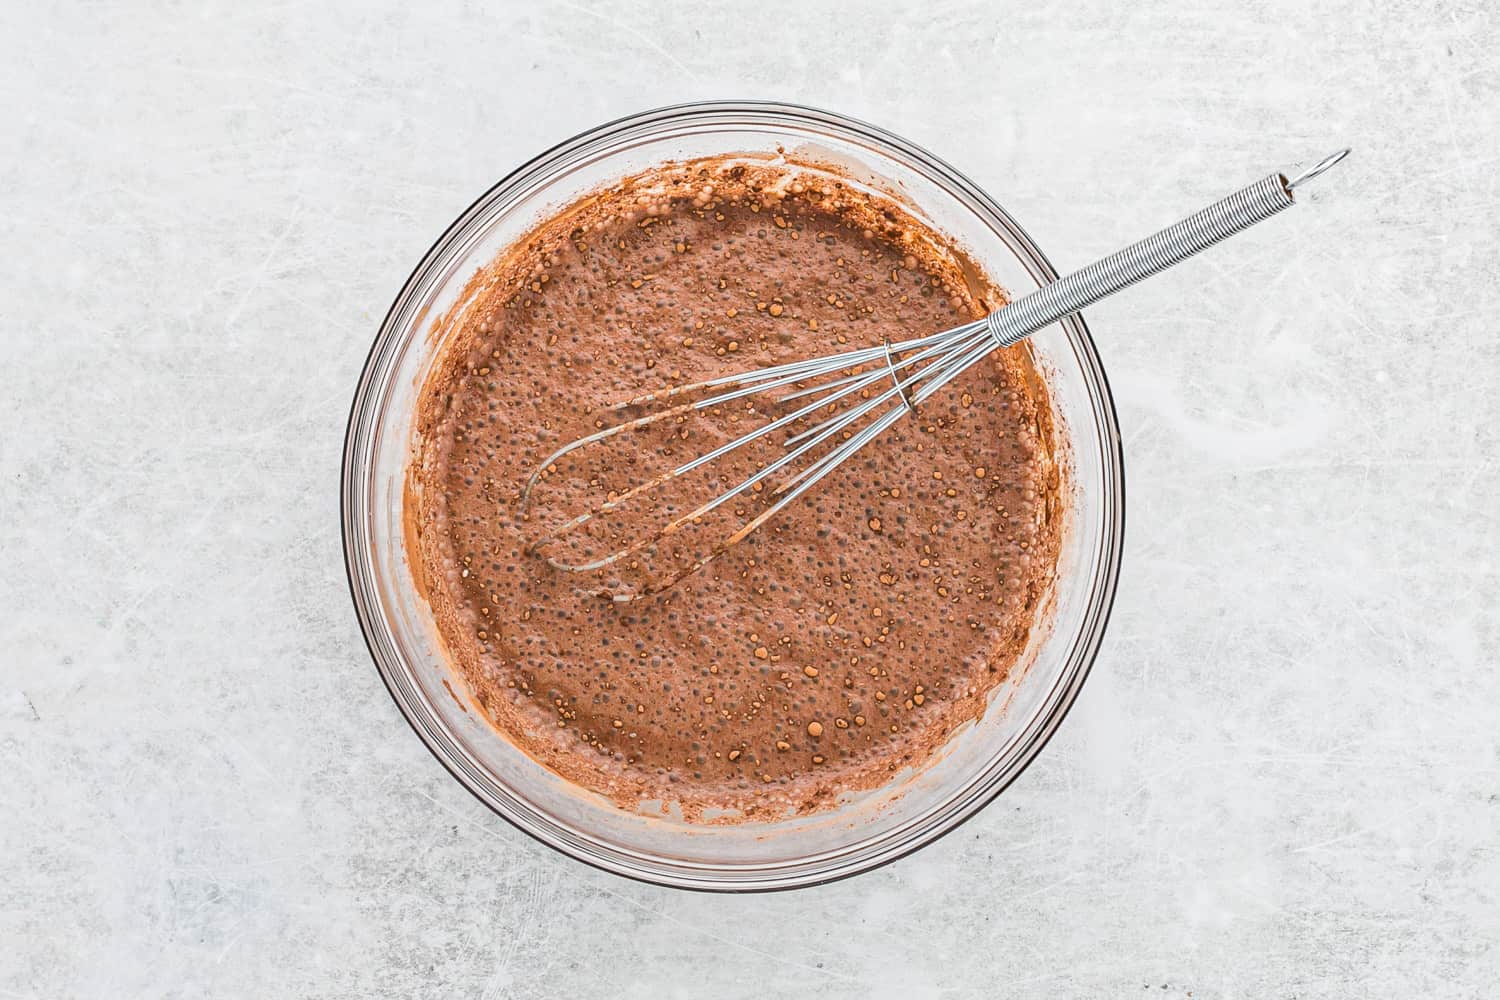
<point x="1281" y="780"/>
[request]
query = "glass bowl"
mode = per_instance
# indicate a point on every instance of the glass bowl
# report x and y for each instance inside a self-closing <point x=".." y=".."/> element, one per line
<point x="869" y="829"/>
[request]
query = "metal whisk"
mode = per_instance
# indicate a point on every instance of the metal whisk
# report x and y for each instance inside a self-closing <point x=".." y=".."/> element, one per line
<point x="911" y="371"/>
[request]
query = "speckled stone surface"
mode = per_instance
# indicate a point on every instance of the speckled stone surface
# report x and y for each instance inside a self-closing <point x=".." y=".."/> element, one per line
<point x="1282" y="779"/>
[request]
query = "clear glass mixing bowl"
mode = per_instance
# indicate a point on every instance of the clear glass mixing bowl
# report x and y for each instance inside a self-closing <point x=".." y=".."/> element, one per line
<point x="876" y="827"/>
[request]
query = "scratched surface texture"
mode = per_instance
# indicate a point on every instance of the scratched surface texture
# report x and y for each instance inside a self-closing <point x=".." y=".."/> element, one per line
<point x="1283" y="778"/>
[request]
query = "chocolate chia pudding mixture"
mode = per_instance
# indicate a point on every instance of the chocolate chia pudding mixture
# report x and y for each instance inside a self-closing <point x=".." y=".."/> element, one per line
<point x="841" y="643"/>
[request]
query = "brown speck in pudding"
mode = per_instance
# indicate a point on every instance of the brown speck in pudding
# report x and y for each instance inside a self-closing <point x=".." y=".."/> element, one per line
<point x="842" y="642"/>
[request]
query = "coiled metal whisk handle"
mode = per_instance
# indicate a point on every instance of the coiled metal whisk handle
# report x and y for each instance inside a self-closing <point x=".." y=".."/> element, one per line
<point x="1199" y="231"/>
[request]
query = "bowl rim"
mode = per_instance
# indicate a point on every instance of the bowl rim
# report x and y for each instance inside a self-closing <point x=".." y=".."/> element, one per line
<point x="1101" y="602"/>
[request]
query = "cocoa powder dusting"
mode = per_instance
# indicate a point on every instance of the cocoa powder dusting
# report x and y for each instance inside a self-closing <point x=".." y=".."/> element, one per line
<point x="822" y="654"/>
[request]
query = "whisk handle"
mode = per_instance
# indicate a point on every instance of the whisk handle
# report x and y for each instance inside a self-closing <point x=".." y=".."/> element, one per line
<point x="1176" y="243"/>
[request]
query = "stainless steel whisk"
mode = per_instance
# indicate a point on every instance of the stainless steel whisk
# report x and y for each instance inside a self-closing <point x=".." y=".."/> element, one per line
<point x="914" y="369"/>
